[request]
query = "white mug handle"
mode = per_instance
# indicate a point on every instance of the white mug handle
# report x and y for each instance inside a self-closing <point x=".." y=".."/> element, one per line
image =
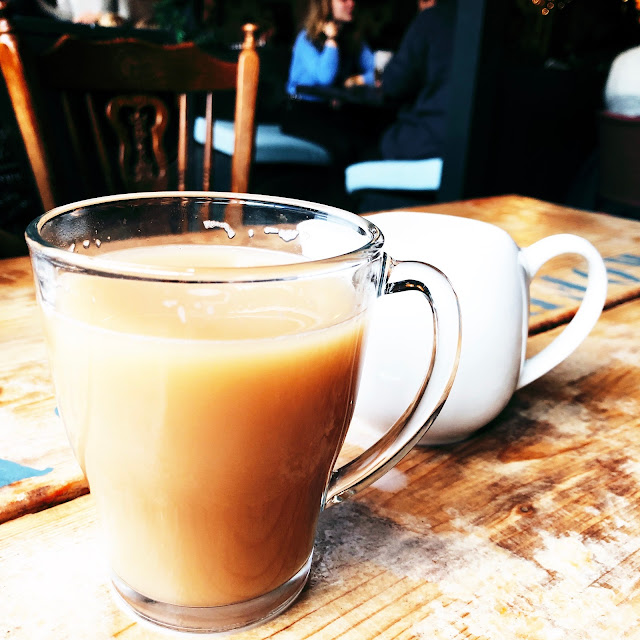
<point x="532" y="258"/>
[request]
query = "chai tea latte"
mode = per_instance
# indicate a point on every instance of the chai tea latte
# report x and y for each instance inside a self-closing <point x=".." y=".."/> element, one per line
<point x="206" y="417"/>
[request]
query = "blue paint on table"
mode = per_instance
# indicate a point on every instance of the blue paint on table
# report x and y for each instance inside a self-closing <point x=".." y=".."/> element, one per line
<point x="623" y="274"/>
<point x="628" y="259"/>
<point x="12" y="472"/>
<point x="548" y="306"/>
<point x="620" y="271"/>
<point x="610" y="280"/>
<point x="612" y="272"/>
<point x="564" y="284"/>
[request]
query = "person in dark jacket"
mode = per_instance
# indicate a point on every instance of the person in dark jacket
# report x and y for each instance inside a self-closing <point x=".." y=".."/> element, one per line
<point x="417" y="76"/>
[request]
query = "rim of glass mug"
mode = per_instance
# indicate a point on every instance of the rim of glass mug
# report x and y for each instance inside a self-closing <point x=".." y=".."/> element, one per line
<point x="428" y="401"/>
<point x="372" y="240"/>
<point x="365" y="246"/>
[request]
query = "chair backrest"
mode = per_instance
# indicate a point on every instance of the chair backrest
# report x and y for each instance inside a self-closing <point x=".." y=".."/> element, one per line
<point x="122" y="118"/>
<point x="619" y="175"/>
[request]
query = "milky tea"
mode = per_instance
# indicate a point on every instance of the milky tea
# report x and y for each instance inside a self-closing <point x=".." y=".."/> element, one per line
<point x="206" y="417"/>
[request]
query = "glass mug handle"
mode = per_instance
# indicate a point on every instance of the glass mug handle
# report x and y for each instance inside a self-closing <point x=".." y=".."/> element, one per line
<point x="532" y="258"/>
<point x="386" y="452"/>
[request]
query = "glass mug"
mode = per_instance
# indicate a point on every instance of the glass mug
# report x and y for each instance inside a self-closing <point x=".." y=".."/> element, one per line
<point x="205" y="351"/>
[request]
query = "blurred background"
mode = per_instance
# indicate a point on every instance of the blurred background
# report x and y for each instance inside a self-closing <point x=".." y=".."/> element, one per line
<point x="528" y="83"/>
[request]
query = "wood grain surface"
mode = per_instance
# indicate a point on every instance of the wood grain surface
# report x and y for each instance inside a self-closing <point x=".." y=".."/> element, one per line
<point x="37" y="468"/>
<point x="33" y="443"/>
<point x="529" y="530"/>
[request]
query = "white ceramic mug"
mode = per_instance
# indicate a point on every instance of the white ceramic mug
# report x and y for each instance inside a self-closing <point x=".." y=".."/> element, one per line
<point x="491" y="276"/>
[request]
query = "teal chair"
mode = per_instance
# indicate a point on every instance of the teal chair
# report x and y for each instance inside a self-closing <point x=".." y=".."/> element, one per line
<point x="381" y="184"/>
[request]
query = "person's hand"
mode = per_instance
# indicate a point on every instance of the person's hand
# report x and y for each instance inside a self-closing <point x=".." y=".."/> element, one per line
<point x="330" y="30"/>
<point x="354" y="81"/>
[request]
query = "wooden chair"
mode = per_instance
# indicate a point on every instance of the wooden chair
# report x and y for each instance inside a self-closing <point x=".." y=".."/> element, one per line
<point x="125" y="111"/>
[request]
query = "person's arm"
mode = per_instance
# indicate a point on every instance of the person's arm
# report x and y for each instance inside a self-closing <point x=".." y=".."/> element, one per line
<point x="367" y="67"/>
<point x="310" y="66"/>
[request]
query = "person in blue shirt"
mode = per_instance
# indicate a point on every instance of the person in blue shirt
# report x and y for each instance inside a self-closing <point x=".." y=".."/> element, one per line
<point x="331" y="52"/>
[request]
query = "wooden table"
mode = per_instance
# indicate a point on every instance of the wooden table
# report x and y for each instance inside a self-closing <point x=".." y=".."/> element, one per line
<point x="531" y="529"/>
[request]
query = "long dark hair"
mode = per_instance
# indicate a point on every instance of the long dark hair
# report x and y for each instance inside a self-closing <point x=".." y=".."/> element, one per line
<point x="349" y="37"/>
